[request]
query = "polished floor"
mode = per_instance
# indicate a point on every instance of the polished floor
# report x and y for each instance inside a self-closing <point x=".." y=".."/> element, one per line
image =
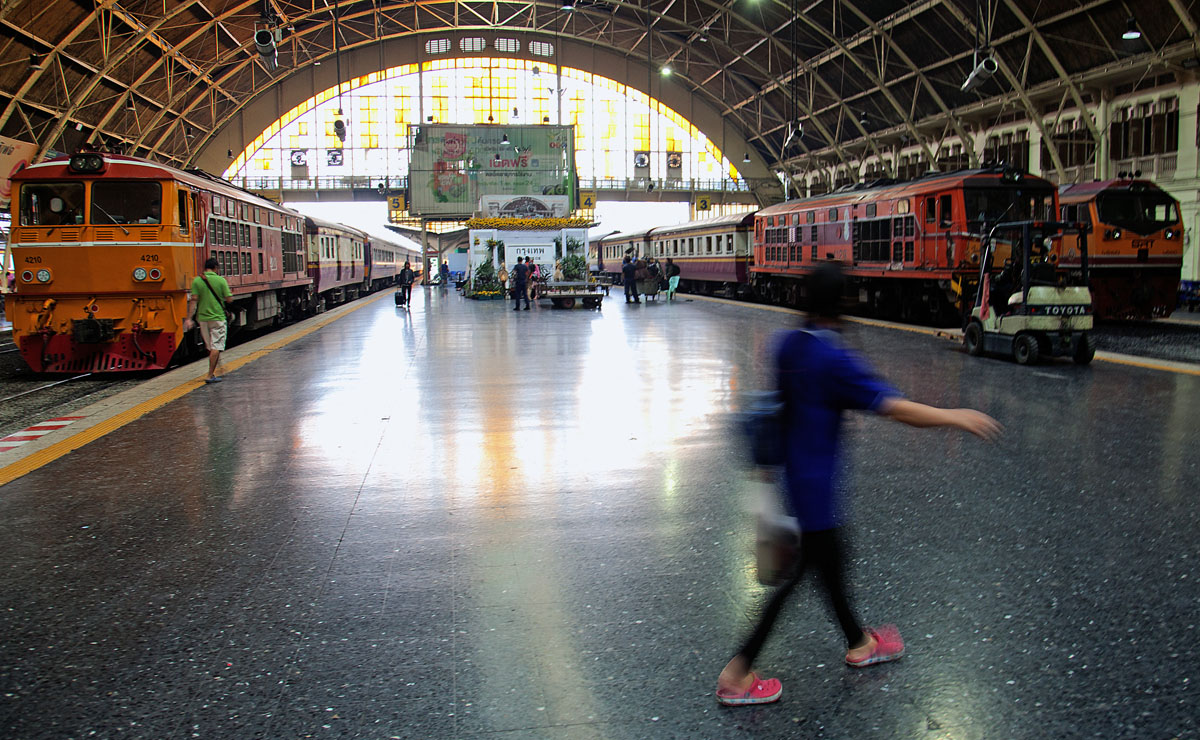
<point x="462" y="521"/>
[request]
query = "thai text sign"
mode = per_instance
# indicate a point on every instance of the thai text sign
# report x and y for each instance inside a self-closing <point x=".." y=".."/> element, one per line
<point x="454" y="166"/>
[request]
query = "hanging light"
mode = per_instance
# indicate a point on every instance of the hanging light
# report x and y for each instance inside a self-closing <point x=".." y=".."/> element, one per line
<point x="568" y="5"/>
<point x="504" y="141"/>
<point x="1131" y="30"/>
<point x="666" y="71"/>
<point x="746" y="158"/>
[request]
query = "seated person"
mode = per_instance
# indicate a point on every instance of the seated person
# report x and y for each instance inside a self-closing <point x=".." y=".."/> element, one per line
<point x="1003" y="286"/>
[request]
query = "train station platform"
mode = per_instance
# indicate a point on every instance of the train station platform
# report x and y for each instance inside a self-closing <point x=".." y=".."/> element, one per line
<point x="463" y="521"/>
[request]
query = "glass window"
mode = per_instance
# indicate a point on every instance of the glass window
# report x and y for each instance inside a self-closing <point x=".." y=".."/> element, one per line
<point x="832" y="215"/>
<point x="930" y="211"/>
<point x="183" y="214"/>
<point x="51" y="203"/>
<point x="126" y="202"/>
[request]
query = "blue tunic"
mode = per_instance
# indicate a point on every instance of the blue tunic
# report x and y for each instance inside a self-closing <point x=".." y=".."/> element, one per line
<point x="819" y="377"/>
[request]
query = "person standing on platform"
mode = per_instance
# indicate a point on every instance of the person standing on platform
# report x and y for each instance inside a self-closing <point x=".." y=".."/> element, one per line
<point x="819" y="377"/>
<point x="520" y="278"/>
<point x="444" y="273"/>
<point x="407" y="277"/>
<point x="672" y="278"/>
<point x="209" y="294"/>
<point x="502" y="277"/>
<point x="629" y="277"/>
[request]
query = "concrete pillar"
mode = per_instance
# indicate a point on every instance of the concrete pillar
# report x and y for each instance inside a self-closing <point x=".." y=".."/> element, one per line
<point x="1185" y="184"/>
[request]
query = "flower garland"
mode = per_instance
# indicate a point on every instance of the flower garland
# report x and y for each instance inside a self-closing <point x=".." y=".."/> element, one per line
<point x="528" y="224"/>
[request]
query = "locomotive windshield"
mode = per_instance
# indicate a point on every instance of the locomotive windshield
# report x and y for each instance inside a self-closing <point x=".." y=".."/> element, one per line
<point x="51" y="203"/>
<point x="1142" y="213"/>
<point x="126" y="202"/>
<point x="993" y="205"/>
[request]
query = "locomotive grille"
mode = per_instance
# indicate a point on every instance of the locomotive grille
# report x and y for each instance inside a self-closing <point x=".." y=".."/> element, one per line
<point x="104" y="235"/>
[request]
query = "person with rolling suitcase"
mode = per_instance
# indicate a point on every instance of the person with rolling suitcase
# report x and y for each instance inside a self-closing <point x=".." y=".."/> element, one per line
<point x="407" y="276"/>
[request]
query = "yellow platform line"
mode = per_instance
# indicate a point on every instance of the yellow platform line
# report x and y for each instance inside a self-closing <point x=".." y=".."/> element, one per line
<point x="49" y="454"/>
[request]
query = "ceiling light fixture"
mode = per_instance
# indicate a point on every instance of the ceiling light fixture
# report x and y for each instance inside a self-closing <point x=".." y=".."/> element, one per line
<point x="746" y="158"/>
<point x="1131" y="30"/>
<point x="504" y="140"/>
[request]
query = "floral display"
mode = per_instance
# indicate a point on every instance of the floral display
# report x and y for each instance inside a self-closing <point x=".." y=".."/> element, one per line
<point x="528" y="224"/>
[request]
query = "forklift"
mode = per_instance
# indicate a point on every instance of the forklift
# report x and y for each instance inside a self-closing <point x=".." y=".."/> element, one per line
<point x="1032" y="309"/>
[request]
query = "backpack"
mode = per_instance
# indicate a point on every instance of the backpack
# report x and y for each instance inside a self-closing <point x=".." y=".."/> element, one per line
<point x="762" y="421"/>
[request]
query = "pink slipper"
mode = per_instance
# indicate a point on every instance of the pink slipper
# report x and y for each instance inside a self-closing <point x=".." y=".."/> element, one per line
<point x="888" y="646"/>
<point x="762" y="691"/>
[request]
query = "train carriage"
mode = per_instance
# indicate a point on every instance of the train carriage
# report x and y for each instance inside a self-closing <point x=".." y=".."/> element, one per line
<point x="1136" y="247"/>
<point x="713" y="254"/>
<point x="336" y="261"/>
<point x="106" y="247"/>
<point x="607" y="253"/>
<point x="385" y="258"/>
<point x="910" y="247"/>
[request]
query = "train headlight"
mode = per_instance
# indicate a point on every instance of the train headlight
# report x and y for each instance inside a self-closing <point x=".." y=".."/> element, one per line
<point x="1170" y="233"/>
<point x="139" y="273"/>
<point x="27" y="276"/>
<point x="88" y="162"/>
<point x="1112" y="234"/>
<point x="43" y="275"/>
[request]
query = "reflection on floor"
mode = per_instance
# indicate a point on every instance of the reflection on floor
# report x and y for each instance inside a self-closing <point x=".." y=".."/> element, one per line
<point x="461" y="520"/>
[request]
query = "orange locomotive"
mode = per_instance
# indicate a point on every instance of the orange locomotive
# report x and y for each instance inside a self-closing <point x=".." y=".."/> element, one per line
<point x="106" y="246"/>
<point x="911" y="248"/>
<point x="1136" y="247"/>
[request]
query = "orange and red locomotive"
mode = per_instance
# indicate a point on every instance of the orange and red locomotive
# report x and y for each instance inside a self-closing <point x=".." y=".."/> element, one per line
<point x="1136" y="245"/>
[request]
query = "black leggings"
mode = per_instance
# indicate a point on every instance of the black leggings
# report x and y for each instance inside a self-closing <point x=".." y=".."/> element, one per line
<point x="823" y="550"/>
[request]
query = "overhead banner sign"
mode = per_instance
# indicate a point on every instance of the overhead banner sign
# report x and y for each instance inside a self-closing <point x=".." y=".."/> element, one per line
<point x="453" y="167"/>
<point x="13" y="156"/>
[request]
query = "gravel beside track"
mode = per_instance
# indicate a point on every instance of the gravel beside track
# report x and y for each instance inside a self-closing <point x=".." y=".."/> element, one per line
<point x="48" y="402"/>
<point x="1176" y="341"/>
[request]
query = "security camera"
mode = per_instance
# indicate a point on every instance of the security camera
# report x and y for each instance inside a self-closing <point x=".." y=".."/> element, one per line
<point x="264" y="41"/>
<point x="983" y="72"/>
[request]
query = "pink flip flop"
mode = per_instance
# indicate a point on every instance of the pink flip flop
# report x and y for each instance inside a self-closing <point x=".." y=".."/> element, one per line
<point x="762" y="691"/>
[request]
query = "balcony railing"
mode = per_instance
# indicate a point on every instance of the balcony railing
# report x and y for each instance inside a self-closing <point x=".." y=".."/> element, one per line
<point x="643" y="184"/>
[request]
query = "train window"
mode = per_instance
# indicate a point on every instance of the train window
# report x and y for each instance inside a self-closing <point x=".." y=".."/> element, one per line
<point x="945" y="215"/>
<point x="902" y="206"/>
<point x="126" y="202"/>
<point x="691" y="245"/>
<point x="930" y="211"/>
<point x="872" y="209"/>
<point x="52" y="203"/>
<point x="259" y="243"/>
<point x="908" y="251"/>
<point x="245" y="212"/>
<point x="183" y="214"/>
<point x="270" y="218"/>
<point x="910" y="226"/>
<point x="832" y="215"/>
<point x="813" y="235"/>
<point x="216" y="204"/>
<point x="212" y="230"/>
<point x="246" y="268"/>
<point x="260" y="263"/>
<point x="708" y="244"/>
<point x="897" y="251"/>
<point x="813" y="254"/>
<point x="257" y="216"/>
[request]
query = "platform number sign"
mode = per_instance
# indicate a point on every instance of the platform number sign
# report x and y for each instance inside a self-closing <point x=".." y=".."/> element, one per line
<point x="396" y="203"/>
<point x="396" y="208"/>
<point x="587" y="199"/>
<point x="703" y="203"/>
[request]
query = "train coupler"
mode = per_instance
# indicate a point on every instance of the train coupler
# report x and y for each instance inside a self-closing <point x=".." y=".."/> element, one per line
<point x="92" y="331"/>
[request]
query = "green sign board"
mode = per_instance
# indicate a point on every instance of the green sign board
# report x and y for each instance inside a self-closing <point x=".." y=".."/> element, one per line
<point x="453" y="166"/>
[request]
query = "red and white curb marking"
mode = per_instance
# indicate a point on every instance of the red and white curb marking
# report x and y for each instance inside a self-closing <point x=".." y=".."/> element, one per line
<point x="35" y="432"/>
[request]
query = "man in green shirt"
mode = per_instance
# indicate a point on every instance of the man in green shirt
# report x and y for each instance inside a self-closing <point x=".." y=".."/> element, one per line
<point x="208" y="292"/>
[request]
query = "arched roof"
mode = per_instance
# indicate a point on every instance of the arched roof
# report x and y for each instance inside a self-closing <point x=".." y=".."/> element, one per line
<point x="804" y="81"/>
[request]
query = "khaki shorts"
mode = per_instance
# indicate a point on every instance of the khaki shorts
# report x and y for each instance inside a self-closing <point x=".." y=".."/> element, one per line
<point x="214" y="335"/>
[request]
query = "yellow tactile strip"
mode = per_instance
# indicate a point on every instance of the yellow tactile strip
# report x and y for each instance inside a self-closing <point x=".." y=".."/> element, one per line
<point x="102" y="418"/>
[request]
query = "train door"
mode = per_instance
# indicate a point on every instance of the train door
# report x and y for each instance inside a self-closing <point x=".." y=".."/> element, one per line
<point x="337" y="248"/>
<point x="939" y="223"/>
